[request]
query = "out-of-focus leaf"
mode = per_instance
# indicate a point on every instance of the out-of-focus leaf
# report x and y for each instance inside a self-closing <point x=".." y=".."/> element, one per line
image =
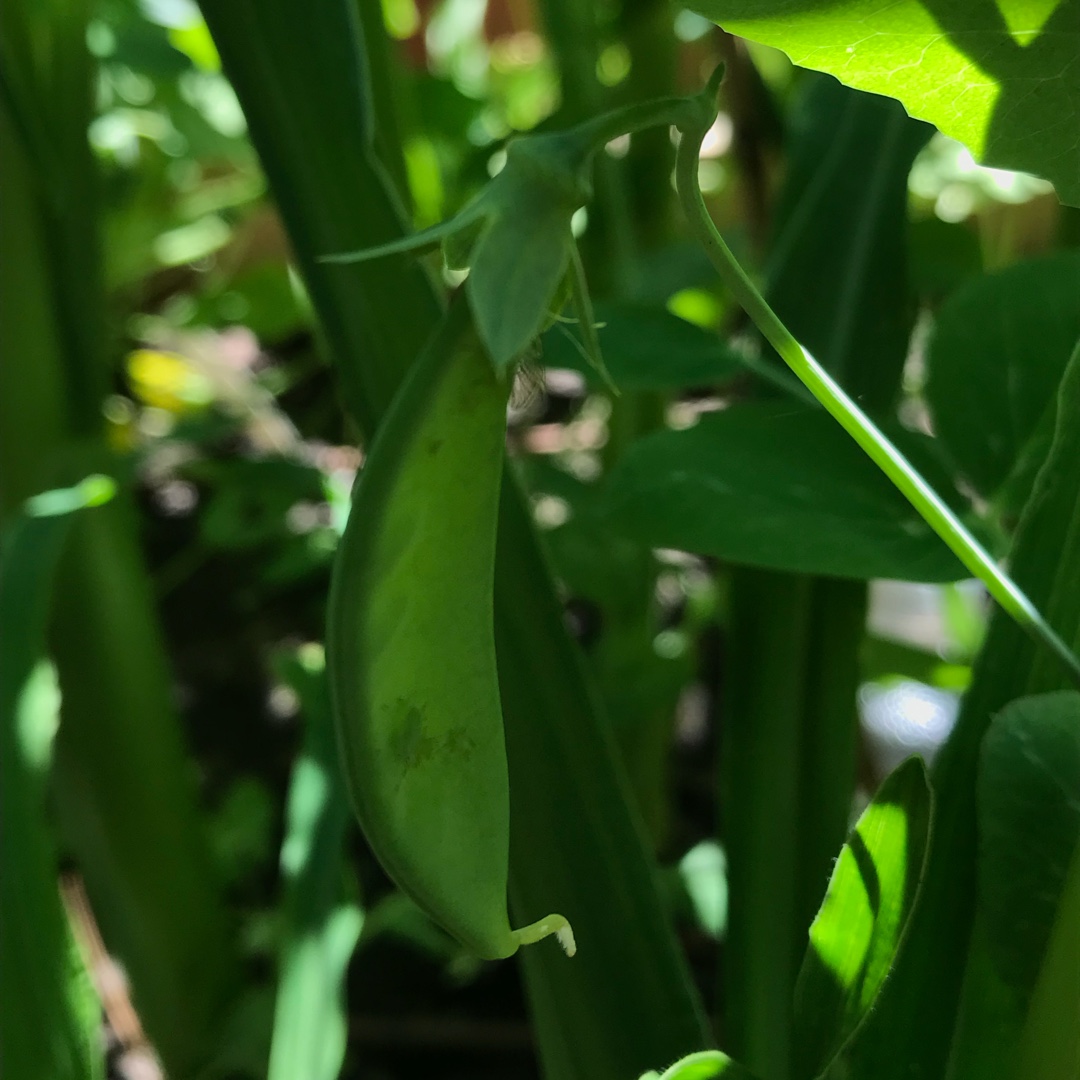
<point x="124" y="792"/>
<point x="704" y="1065"/>
<point x="1029" y="831"/>
<point x="50" y="1026"/>
<point x="321" y="926"/>
<point x="943" y="256"/>
<point x="779" y="486"/>
<point x="644" y="348"/>
<point x="1029" y="813"/>
<point x="837" y="268"/>
<point x="860" y="928"/>
<point x="1050" y="1044"/>
<point x="995" y="359"/>
<point x="999" y="77"/>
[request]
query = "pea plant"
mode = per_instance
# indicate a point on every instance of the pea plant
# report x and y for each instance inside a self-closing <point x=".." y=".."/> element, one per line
<point x="590" y="648"/>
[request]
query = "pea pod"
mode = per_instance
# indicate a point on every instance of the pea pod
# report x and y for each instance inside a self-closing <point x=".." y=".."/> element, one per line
<point x="411" y="648"/>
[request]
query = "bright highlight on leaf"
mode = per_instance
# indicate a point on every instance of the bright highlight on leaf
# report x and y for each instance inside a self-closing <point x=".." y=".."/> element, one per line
<point x="999" y="76"/>
<point x="859" y="930"/>
<point x="704" y="1065"/>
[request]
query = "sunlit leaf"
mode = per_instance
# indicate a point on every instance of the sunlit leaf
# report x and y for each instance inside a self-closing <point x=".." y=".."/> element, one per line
<point x="861" y="925"/>
<point x="703" y="1065"/>
<point x="1000" y="77"/>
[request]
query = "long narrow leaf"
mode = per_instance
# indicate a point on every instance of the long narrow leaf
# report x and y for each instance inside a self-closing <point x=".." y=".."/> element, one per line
<point x="50" y="1023"/>
<point x="321" y="926"/>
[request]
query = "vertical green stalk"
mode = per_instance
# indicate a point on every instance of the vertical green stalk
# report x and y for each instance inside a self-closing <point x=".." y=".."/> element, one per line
<point x="830" y="730"/>
<point x="766" y="660"/>
<point x="125" y="794"/>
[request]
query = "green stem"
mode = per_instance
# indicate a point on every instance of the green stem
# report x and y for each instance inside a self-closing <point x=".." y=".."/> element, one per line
<point x="854" y="421"/>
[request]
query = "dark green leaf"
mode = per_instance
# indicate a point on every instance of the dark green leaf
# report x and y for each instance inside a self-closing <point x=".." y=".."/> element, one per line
<point x="996" y="357"/>
<point x="1000" y="77"/>
<point x="1029" y="813"/>
<point x="645" y="348"/>
<point x="859" y="930"/>
<point x="910" y="1034"/>
<point x="837" y="272"/>
<point x="775" y="485"/>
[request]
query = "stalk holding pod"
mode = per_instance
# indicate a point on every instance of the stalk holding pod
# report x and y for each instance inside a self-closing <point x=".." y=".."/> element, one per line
<point x="411" y="647"/>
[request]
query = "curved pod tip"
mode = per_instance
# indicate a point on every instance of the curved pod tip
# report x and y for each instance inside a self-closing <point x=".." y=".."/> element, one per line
<point x="542" y="928"/>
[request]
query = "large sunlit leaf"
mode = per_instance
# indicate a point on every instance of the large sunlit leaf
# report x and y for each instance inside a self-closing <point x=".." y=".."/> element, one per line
<point x="775" y="485"/>
<point x="999" y="75"/>
<point x="861" y="925"/>
<point x="996" y="356"/>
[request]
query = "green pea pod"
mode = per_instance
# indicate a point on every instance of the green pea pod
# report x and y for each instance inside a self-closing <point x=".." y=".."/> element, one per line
<point x="411" y="647"/>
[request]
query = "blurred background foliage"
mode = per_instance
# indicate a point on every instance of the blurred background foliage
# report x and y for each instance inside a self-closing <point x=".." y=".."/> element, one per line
<point x="222" y="408"/>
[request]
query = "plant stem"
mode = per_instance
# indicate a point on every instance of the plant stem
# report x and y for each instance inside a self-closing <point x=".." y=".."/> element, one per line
<point x="854" y="421"/>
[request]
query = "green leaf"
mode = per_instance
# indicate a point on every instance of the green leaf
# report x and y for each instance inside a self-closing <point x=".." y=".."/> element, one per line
<point x="1029" y="829"/>
<point x="837" y="268"/>
<point x="860" y="928"/>
<point x="911" y="1032"/>
<point x="704" y="1065"/>
<point x="321" y="927"/>
<point x="50" y="1022"/>
<point x="1050" y="1043"/>
<point x="644" y="348"/>
<point x="1000" y="77"/>
<point x="1029" y="817"/>
<point x="779" y="486"/>
<point x="996" y="356"/>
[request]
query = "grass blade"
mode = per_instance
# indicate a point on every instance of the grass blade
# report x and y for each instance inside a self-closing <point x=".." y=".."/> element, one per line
<point x="321" y="927"/>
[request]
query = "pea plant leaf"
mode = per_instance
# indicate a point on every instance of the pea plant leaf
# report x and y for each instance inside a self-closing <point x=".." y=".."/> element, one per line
<point x="996" y="357"/>
<point x="514" y="238"/>
<point x="644" y="348"/>
<point x="1029" y="824"/>
<point x="861" y="925"/>
<point x="780" y="486"/>
<point x="1001" y="76"/>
